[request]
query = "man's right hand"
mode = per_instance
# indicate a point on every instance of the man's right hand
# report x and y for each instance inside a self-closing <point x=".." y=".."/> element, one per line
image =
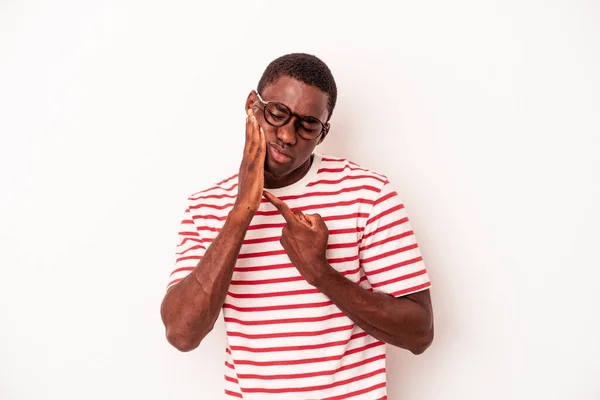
<point x="251" y="180"/>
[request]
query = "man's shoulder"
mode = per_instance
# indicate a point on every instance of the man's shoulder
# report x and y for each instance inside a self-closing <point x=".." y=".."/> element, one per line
<point x="226" y="188"/>
<point x="331" y="165"/>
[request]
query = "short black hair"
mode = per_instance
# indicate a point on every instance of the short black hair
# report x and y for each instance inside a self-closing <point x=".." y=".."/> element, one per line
<point x="304" y="68"/>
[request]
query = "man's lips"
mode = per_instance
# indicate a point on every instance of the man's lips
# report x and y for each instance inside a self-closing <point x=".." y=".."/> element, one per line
<point x="278" y="155"/>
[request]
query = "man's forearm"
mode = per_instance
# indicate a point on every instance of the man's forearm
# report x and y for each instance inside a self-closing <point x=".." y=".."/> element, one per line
<point x="191" y="307"/>
<point x="401" y="322"/>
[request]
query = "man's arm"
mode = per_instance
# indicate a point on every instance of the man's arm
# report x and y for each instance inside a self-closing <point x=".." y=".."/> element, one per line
<point x="191" y="307"/>
<point x="405" y="322"/>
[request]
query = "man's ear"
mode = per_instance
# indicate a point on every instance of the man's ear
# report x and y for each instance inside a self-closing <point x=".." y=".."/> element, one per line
<point x="250" y="101"/>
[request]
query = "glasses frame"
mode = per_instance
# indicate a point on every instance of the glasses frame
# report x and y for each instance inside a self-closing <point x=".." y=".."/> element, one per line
<point x="324" y="127"/>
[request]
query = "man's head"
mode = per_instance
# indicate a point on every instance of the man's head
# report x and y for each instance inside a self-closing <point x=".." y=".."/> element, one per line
<point x="302" y="85"/>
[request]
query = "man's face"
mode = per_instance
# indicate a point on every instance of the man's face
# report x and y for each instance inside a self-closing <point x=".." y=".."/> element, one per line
<point x="286" y="150"/>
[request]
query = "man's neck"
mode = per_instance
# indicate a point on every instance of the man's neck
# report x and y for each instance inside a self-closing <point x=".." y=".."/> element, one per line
<point x="279" y="181"/>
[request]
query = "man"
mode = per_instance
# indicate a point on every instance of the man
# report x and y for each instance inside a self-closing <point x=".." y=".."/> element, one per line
<point x="311" y="258"/>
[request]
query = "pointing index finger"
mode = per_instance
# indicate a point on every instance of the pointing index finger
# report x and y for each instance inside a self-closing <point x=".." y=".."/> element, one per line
<point x="283" y="208"/>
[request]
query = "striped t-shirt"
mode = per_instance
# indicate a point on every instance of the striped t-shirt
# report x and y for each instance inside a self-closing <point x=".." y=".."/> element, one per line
<point x="285" y="339"/>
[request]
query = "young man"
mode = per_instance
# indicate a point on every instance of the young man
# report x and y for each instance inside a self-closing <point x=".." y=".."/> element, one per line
<point x="311" y="258"/>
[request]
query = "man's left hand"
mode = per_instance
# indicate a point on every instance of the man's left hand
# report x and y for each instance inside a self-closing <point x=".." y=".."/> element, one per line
<point x="304" y="238"/>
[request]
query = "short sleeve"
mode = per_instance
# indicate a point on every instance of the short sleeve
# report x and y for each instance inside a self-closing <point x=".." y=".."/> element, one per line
<point x="389" y="253"/>
<point x="190" y="248"/>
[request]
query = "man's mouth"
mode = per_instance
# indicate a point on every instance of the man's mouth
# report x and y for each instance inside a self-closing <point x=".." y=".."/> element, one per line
<point x="278" y="155"/>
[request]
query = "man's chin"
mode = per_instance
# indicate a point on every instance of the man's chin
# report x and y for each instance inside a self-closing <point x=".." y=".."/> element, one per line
<point x="276" y="169"/>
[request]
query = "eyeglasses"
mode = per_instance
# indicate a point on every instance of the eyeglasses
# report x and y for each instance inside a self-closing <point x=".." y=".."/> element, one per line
<point x="277" y="114"/>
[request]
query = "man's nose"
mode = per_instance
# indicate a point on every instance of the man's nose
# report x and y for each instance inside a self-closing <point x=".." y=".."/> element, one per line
<point x="287" y="133"/>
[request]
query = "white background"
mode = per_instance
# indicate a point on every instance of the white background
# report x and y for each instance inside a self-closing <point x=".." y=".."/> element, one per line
<point x="484" y="114"/>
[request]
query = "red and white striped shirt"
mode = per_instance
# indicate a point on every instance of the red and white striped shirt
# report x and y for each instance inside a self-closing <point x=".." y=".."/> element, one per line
<point x="285" y="339"/>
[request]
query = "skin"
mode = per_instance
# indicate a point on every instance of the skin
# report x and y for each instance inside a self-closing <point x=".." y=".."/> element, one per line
<point x="191" y="307"/>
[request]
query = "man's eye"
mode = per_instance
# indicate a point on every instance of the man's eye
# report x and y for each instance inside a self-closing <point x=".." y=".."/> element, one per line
<point x="310" y="126"/>
<point x="279" y="107"/>
<point x="308" y="129"/>
<point x="277" y="116"/>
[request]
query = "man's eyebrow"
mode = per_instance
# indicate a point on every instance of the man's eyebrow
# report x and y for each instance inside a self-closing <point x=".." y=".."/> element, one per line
<point x="290" y="108"/>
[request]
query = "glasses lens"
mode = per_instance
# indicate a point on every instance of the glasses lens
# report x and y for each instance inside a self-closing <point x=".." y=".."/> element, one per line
<point x="277" y="114"/>
<point x="310" y="127"/>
